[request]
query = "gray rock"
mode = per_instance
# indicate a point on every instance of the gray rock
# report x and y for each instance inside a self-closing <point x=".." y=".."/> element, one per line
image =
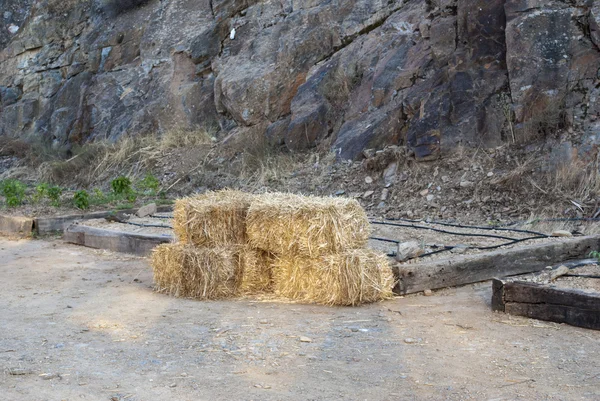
<point x="408" y="250"/>
<point x="147" y="210"/>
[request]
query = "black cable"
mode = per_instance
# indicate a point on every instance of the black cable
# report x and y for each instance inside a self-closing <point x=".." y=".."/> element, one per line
<point x="549" y="220"/>
<point x="161" y="217"/>
<point x="441" y="231"/>
<point x="440" y="223"/>
<point x="582" y="276"/>
<point x="516" y="241"/>
<point x="146" y="225"/>
<point x="393" y="241"/>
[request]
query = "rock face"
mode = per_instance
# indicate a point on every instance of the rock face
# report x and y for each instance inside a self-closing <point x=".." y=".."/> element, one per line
<point x="350" y="74"/>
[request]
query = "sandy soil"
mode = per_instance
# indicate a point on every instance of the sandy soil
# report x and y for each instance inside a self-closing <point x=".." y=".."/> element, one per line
<point x="82" y="324"/>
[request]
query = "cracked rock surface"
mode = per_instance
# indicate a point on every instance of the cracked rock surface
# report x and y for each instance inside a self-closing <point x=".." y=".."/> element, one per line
<point x="350" y="74"/>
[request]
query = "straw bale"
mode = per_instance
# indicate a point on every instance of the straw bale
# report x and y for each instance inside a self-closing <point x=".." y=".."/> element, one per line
<point x="347" y="278"/>
<point x="291" y="224"/>
<point x="204" y="273"/>
<point x="257" y="271"/>
<point x="213" y="218"/>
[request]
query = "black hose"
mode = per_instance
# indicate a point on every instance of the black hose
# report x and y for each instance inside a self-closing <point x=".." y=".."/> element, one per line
<point x="440" y="223"/>
<point x="549" y="220"/>
<point x="146" y="225"/>
<point x="442" y="231"/>
<point x="393" y="241"/>
<point x="161" y="217"/>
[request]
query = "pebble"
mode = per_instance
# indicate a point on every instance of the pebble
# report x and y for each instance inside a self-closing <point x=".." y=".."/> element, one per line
<point x="430" y="198"/>
<point x="466" y="184"/>
<point x="368" y="180"/>
<point x="368" y="194"/>
<point x="384" y="194"/>
<point x="428" y="293"/>
<point x="424" y="192"/>
<point x="561" y="233"/>
<point x="305" y="340"/>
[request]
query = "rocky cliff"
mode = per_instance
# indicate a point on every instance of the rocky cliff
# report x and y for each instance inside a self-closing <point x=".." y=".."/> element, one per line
<point x="349" y="74"/>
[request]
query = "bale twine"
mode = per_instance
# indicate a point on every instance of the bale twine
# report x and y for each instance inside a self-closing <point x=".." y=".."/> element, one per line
<point x="286" y="224"/>
<point x="213" y="218"/>
<point x="348" y="278"/>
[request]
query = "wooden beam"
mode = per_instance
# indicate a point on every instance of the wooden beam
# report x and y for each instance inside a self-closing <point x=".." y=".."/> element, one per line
<point x="541" y="301"/>
<point x="16" y="225"/>
<point x="118" y="241"/>
<point x="467" y="269"/>
<point x="49" y="225"/>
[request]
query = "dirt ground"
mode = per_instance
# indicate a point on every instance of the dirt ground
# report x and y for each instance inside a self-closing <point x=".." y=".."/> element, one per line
<point x="76" y="323"/>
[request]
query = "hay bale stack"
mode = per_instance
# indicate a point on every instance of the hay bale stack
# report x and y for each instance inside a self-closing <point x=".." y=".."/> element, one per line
<point x="286" y="224"/>
<point x="212" y="219"/>
<point x="347" y="278"/>
<point x="183" y="270"/>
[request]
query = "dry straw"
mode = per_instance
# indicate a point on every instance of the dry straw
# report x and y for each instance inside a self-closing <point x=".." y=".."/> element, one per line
<point x="257" y="271"/>
<point x="213" y="218"/>
<point x="287" y="224"/>
<point x="205" y="273"/>
<point x="348" y="278"/>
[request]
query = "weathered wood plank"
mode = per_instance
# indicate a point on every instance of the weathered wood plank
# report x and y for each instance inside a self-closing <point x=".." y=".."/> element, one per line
<point x="542" y="302"/>
<point x="533" y="293"/>
<point x="501" y="263"/>
<point x="16" y="225"/>
<point x="48" y="225"/>
<point x="586" y="318"/>
<point x="498" y="295"/>
<point x="118" y="241"/>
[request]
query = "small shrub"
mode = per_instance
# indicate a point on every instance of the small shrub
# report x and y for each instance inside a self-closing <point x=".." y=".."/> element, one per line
<point x="14" y="192"/>
<point x="54" y="194"/>
<point x="131" y="196"/>
<point x="81" y="200"/>
<point x="121" y="185"/>
<point x="41" y="191"/>
<point x="149" y="184"/>
<point x="595" y="255"/>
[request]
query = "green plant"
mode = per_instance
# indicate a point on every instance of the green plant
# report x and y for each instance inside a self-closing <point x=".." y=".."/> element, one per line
<point x="131" y="196"/>
<point x="41" y="191"/>
<point x="81" y="200"/>
<point x="595" y="255"/>
<point x="149" y="184"/>
<point x="13" y="191"/>
<point x="121" y="185"/>
<point x="54" y="194"/>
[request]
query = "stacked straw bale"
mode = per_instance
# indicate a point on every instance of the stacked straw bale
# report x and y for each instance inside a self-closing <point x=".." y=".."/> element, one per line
<point x="347" y="278"/>
<point x="307" y="225"/>
<point x="183" y="270"/>
<point x="213" y="218"/>
<point x="308" y="249"/>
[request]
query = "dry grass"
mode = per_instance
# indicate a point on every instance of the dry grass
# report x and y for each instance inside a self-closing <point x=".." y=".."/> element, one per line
<point x="202" y="273"/>
<point x="213" y="218"/>
<point x="291" y="224"/>
<point x="348" y="278"/>
<point x="578" y="179"/>
<point x="100" y="160"/>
